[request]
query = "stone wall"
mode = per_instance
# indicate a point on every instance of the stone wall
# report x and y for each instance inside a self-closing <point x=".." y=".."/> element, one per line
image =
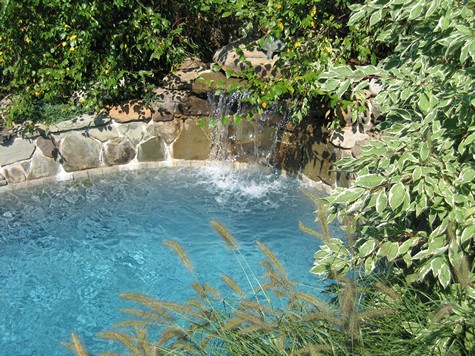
<point x="174" y="127"/>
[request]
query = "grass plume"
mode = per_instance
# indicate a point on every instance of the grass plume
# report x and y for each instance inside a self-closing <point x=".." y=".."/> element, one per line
<point x="225" y="235"/>
<point x="175" y="246"/>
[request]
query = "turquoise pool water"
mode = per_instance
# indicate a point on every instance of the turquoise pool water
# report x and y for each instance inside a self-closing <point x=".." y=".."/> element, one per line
<point x="68" y="249"/>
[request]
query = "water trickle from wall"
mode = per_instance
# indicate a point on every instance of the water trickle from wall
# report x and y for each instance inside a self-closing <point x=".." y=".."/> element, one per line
<point x="249" y="141"/>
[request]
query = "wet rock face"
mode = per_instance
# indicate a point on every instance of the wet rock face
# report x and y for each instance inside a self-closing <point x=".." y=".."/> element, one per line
<point x="193" y="143"/>
<point x="118" y="151"/>
<point x="42" y="166"/>
<point x="152" y="150"/>
<point x="79" y="152"/>
<point x="14" y="174"/>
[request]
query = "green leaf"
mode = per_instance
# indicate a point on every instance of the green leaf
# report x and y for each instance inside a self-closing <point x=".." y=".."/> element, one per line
<point x="348" y="195"/>
<point x="367" y="248"/>
<point x="393" y="251"/>
<point x="436" y="243"/>
<point x="416" y="10"/>
<point x="424" y="151"/>
<point x="381" y="201"/>
<point x="375" y="17"/>
<point x="343" y="88"/>
<point x="396" y="195"/>
<point x="444" y="275"/>
<point x="369" y="181"/>
<point x="467" y="175"/>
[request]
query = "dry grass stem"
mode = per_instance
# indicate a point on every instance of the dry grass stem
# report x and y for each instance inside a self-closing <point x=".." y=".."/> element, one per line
<point x="181" y="254"/>
<point x="225" y="235"/>
<point x="233" y="285"/>
<point x="272" y="258"/>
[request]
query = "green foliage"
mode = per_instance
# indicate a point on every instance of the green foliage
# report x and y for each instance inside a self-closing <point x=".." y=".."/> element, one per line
<point x="413" y="198"/>
<point x="89" y="54"/>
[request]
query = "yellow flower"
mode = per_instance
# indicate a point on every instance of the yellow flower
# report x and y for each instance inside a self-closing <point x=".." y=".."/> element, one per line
<point x="71" y="49"/>
<point x="279" y="6"/>
<point x="264" y="104"/>
<point x="38" y="93"/>
<point x="1" y="38"/>
<point x="281" y="25"/>
<point x="106" y="71"/>
<point x="27" y="40"/>
<point x="67" y="69"/>
<point x="66" y="25"/>
<point x="297" y="44"/>
<point x="1" y="53"/>
<point x="312" y="23"/>
<point x="73" y="37"/>
<point x="314" y="11"/>
<point x="64" y="44"/>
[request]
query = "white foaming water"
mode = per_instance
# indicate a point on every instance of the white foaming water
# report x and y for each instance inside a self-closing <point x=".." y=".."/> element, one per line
<point x="226" y="180"/>
<point x="62" y="175"/>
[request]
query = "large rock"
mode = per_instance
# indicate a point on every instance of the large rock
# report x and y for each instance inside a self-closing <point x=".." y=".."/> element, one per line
<point x="3" y="181"/>
<point x="193" y="143"/>
<point x="79" y="152"/>
<point x="118" y="151"/>
<point x="134" y="131"/>
<point x="80" y="122"/>
<point x="48" y="146"/>
<point x="19" y="150"/>
<point x="168" y="103"/>
<point x="229" y="57"/>
<point x="184" y="76"/>
<point x="42" y="166"/>
<point x="152" y="150"/>
<point x="14" y="173"/>
<point x="347" y="137"/>
<point x="103" y="133"/>
<point x="133" y="110"/>
<point x="168" y="130"/>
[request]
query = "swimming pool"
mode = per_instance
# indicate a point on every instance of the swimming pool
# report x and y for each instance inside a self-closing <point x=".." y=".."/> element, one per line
<point x="68" y="249"/>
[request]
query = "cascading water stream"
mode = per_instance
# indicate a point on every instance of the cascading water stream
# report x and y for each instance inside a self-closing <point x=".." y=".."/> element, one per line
<point x="250" y="141"/>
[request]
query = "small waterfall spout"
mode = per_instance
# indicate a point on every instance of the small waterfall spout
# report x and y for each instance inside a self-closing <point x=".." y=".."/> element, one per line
<point x="249" y="141"/>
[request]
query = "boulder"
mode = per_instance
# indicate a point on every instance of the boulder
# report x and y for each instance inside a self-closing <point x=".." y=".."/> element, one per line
<point x="184" y="76"/>
<point x="80" y="122"/>
<point x="103" y="133"/>
<point x="132" y="110"/>
<point x="229" y="57"/>
<point x="152" y="150"/>
<point x="79" y="152"/>
<point x="18" y="150"/>
<point x="14" y="173"/>
<point x="193" y="143"/>
<point x="48" y="146"/>
<point x="169" y="103"/>
<point x="134" y="131"/>
<point x="118" y="151"/>
<point x="347" y="137"/>
<point x="3" y="181"/>
<point x="167" y="130"/>
<point x="42" y="166"/>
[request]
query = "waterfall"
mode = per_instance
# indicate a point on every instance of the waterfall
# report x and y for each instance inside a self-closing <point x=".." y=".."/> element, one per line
<point x="249" y="141"/>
